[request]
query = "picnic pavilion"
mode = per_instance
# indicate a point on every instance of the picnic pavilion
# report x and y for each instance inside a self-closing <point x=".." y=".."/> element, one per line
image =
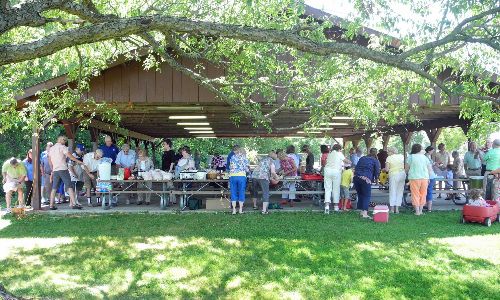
<point x="151" y="104"/>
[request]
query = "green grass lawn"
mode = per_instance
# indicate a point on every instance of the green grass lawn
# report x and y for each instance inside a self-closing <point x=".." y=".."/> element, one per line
<point x="279" y="256"/>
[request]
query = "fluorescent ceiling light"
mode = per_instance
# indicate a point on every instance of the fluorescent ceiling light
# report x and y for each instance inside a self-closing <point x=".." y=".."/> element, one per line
<point x="203" y="131"/>
<point x="193" y="124"/>
<point x="302" y="132"/>
<point x="342" y="118"/>
<point x="338" y="124"/>
<point x="187" y="117"/>
<point x="206" y="137"/>
<point x="198" y="128"/>
<point x="180" y="108"/>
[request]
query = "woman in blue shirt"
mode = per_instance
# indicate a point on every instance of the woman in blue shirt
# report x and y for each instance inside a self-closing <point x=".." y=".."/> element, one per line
<point x="367" y="171"/>
<point x="28" y="163"/>
<point x="238" y="168"/>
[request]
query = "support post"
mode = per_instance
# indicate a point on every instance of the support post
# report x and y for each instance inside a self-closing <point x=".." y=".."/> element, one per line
<point x="344" y="145"/>
<point x="368" y="142"/>
<point x="36" y="202"/>
<point x="465" y="127"/>
<point x="406" y="138"/>
<point x="94" y="137"/>
<point x="153" y="150"/>
<point x="385" y="141"/>
<point x="114" y="136"/>
<point x="433" y="135"/>
<point x="70" y="129"/>
<point x="355" y="143"/>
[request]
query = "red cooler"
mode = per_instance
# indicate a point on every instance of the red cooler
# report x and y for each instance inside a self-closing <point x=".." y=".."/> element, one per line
<point x="381" y="214"/>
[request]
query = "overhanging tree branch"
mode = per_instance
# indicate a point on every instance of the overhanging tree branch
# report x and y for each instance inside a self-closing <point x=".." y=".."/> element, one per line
<point x="123" y="27"/>
<point x="454" y="36"/>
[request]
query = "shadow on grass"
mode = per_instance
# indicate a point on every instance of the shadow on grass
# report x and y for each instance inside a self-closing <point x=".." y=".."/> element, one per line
<point x="283" y="255"/>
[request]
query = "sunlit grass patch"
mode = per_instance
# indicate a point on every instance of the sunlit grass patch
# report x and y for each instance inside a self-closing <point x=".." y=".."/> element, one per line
<point x="485" y="247"/>
<point x="280" y="256"/>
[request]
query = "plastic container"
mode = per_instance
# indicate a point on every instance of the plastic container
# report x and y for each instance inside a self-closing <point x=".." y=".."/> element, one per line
<point x="105" y="169"/>
<point x="381" y="213"/>
<point x="307" y="176"/>
<point x="476" y="182"/>
<point x="121" y="174"/>
<point x="127" y="173"/>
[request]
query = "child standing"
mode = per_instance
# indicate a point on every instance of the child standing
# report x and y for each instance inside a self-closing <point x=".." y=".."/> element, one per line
<point x="345" y="184"/>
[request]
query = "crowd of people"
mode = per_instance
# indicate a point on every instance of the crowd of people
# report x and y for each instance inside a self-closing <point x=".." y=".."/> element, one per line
<point x="65" y="173"/>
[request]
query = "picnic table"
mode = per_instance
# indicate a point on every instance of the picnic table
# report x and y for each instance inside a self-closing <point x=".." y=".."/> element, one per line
<point x="129" y="187"/>
<point x="187" y="188"/>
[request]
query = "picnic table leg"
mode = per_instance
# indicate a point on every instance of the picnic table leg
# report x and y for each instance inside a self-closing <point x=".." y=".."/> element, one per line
<point x="163" y="197"/>
<point x="104" y="196"/>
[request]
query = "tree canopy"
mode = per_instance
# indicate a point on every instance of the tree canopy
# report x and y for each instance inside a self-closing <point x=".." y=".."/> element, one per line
<point x="269" y="48"/>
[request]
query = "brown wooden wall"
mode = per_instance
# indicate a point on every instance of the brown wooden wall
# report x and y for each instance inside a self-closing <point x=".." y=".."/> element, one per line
<point x="129" y="82"/>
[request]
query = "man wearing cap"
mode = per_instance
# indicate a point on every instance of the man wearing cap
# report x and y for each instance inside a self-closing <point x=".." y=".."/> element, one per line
<point x="58" y="156"/>
<point x="13" y="175"/>
<point x="91" y="166"/>
<point x="76" y="171"/>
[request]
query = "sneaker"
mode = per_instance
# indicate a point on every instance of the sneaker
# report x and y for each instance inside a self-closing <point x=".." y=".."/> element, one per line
<point x="327" y="211"/>
<point x="335" y="208"/>
<point x="76" y="207"/>
<point x="53" y="208"/>
<point x="8" y="210"/>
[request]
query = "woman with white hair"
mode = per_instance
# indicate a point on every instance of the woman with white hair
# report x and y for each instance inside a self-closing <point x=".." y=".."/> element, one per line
<point x="394" y="165"/>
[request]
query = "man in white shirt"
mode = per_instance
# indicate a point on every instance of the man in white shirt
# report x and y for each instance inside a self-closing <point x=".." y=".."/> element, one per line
<point x="91" y="165"/>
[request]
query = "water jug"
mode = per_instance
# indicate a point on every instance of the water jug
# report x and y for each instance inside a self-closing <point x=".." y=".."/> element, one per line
<point x="104" y="169"/>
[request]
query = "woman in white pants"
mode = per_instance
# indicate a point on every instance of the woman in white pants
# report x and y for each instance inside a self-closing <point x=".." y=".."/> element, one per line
<point x="333" y="176"/>
<point x="394" y="165"/>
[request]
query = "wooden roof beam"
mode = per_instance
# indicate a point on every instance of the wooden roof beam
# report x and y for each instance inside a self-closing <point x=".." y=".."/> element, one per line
<point x="120" y="131"/>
